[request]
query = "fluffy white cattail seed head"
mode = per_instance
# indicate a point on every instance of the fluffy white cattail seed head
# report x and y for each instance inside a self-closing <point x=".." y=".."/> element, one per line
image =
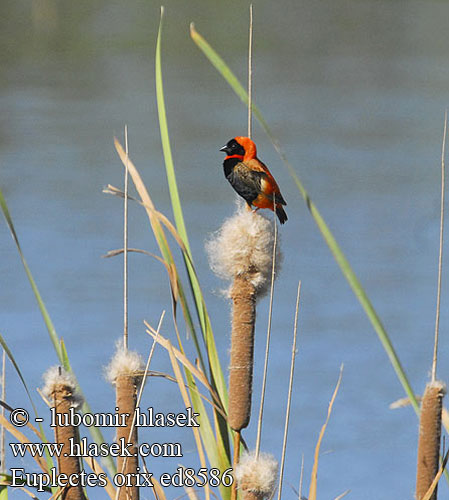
<point x="124" y="362"/>
<point x="244" y="246"/>
<point x="55" y="378"/>
<point x="257" y="475"/>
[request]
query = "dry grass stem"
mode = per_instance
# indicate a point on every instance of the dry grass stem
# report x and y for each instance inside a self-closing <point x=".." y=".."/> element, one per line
<point x="267" y="345"/>
<point x="301" y="478"/>
<point x="429" y="438"/>
<point x="4" y="422"/>
<point x="342" y="495"/>
<point x="125" y="248"/>
<point x="290" y="391"/>
<point x="250" y="73"/>
<point x="313" y="479"/>
<point x="440" y="256"/>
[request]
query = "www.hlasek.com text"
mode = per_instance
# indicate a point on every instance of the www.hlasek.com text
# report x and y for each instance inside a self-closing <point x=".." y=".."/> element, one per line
<point x="85" y="449"/>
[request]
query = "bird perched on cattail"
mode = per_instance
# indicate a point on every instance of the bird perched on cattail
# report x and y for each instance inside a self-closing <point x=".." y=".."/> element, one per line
<point x="251" y="178"/>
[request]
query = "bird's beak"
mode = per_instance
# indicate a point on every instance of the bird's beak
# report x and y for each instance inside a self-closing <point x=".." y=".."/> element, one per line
<point x="224" y="149"/>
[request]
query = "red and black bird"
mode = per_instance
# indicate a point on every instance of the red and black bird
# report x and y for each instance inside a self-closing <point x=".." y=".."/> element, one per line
<point x="251" y="178"/>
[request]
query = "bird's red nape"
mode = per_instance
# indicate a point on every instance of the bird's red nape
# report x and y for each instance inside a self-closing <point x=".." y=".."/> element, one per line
<point x="249" y="147"/>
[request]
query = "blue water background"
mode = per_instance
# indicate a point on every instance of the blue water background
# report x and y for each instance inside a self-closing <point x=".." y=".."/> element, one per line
<point x="356" y="92"/>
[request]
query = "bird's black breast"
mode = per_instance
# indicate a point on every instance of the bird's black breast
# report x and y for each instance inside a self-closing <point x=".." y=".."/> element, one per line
<point x="244" y="182"/>
<point x="229" y="164"/>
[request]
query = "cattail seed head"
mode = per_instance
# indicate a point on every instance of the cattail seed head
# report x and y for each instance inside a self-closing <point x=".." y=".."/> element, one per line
<point x="56" y="379"/>
<point x="124" y="362"/>
<point x="256" y="477"/>
<point x="244" y="246"/>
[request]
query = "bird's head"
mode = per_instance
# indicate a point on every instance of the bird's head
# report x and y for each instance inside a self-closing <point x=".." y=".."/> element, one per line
<point x="240" y="146"/>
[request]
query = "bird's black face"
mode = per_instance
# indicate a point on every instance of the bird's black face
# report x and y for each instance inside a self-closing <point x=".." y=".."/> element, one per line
<point x="233" y="148"/>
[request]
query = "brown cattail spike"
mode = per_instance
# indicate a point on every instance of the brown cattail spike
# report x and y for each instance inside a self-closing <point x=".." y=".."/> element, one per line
<point x="60" y="388"/>
<point x="126" y="386"/>
<point x="125" y="372"/>
<point x="429" y="438"/>
<point x="242" y="349"/>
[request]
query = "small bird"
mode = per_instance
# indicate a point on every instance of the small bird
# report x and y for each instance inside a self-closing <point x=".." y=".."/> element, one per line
<point x="251" y="178"/>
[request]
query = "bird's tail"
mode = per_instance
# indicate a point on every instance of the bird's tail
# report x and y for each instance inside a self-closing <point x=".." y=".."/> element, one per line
<point x="280" y="212"/>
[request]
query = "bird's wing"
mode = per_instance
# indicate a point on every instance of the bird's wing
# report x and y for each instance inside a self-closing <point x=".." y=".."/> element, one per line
<point x="268" y="185"/>
<point x="247" y="181"/>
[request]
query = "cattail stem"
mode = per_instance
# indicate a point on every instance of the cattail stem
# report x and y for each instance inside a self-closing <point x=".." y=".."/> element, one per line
<point x="250" y="73"/>
<point x="429" y="438"/>
<point x="126" y="386"/>
<point x="125" y="248"/>
<point x="63" y="401"/>
<point x="236" y="458"/>
<point x="243" y="295"/>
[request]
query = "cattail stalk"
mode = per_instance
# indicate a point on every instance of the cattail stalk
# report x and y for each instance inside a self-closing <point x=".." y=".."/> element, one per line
<point x="242" y="252"/>
<point x="429" y="438"/>
<point x="126" y="386"/>
<point x="61" y="390"/>
<point x="125" y="372"/>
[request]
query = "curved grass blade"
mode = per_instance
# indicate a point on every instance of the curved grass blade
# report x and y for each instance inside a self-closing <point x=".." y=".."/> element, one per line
<point x="19" y="373"/>
<point x="330" y="240"/>
<point x="48" y="323"/>
<point x="57" y="344"/>
<point x="313" y="479"/>
<point x="6" y="480"/>
<point x="214" y="364"/>
<point x="48" y="458"/>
